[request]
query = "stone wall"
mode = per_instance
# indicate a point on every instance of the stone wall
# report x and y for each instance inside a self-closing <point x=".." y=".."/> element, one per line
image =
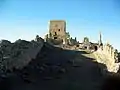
<point x="109" y="56"/>
<point x="110" y="52"/>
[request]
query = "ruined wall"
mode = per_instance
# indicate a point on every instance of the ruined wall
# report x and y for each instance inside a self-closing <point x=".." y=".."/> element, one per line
<point x="109" y="56"/>
<point x="110" y="52"/>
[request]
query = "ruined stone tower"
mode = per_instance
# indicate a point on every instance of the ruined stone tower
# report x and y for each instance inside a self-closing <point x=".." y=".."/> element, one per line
<point x="57" y="30"/>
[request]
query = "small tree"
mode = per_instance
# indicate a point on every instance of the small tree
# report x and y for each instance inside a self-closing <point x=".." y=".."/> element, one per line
<point x="75" y="39"/>
<point x="37" y="38"/>
<point x="86" y="39"/>
<point x="67" y="35"/>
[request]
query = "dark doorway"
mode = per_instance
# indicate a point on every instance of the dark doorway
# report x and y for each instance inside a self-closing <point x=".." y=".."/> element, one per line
<point x="77" y="45"/>
<point x="96" y="48"/>
<point x="55" y="37"/>
<point x="85" y="47"/>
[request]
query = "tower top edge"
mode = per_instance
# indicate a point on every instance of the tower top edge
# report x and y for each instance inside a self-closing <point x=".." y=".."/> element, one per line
<point x="57" y="21"/>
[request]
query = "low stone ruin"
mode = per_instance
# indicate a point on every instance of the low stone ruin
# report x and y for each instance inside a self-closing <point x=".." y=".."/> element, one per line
<point x="111" y="52"/>
<point x="109" y="56"/>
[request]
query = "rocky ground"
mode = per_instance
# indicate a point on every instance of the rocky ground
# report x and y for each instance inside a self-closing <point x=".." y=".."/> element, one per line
<point x="57" y="69"/>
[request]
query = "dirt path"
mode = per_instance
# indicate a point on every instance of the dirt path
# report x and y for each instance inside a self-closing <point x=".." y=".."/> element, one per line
<point x="85" y="75"/>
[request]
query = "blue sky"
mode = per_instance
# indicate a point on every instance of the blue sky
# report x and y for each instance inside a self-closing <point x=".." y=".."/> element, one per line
<point x="26" y="18"/>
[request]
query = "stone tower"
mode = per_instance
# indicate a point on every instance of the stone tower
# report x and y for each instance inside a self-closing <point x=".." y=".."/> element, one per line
<point x="57" y="30"/>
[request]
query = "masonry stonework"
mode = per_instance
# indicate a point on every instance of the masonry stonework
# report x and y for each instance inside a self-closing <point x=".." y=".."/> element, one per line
<point x="109" y="56"/>
<point x="57" y="30"/>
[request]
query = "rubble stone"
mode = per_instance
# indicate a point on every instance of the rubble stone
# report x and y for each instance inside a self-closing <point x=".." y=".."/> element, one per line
<point x="19" y="53"/>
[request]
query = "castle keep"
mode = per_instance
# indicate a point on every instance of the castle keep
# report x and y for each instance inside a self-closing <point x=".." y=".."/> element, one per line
<point x="57" y="30"/>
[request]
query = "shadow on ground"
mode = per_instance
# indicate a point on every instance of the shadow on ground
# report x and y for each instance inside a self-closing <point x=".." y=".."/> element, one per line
<point x="57" y="69"/>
